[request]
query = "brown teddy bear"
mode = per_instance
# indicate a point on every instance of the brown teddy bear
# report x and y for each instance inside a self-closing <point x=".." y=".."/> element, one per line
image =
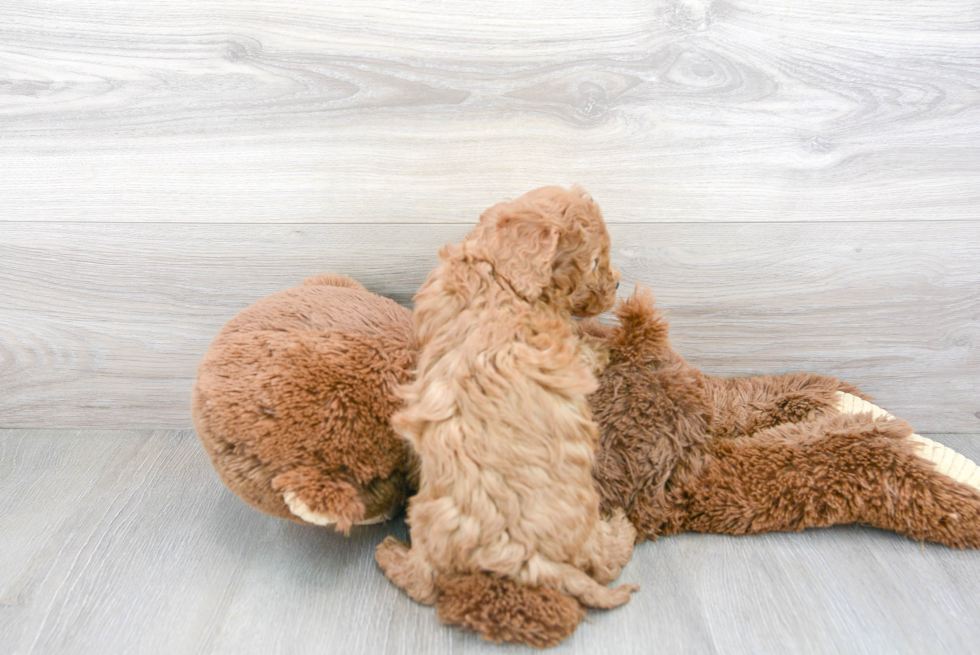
<point x="293" y="398"/>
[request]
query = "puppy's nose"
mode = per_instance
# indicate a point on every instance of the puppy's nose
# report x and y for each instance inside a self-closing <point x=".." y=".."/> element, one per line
<point x="617" y="285"/>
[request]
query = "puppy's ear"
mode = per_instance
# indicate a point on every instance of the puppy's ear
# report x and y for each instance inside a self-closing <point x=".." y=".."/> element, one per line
<point x="523" y="248"/>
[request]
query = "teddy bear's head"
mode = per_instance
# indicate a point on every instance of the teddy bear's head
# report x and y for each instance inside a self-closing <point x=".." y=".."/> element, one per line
<point x="293" y="398"/>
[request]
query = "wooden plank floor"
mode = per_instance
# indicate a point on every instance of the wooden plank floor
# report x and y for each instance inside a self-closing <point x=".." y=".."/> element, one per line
<point x="126" y="542"/>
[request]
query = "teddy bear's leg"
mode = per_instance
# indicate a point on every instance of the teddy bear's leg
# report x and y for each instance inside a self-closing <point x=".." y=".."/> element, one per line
<point x="746" y="405"/>
<point x="408" y="568"/>
<point x="947" y="506"/>
<point x="839" y="469"/>
<point x="502" y="610"/>
<point x="946" y="460"/>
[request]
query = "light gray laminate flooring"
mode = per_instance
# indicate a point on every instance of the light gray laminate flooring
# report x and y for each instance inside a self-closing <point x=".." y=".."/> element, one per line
<point x="127" y="542"/>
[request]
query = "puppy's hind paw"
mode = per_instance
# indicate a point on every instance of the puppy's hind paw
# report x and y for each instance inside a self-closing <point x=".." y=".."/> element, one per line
<point x="407" y="570"/>
<point x="624" y="592"/>
<point x="610" y="598"/>
<point x="390" y="553"/>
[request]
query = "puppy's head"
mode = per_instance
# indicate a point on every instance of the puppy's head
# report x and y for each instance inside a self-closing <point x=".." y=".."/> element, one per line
<point x="551" y="244"/>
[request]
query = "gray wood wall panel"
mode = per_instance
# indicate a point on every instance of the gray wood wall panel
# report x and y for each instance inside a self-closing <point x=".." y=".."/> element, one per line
<point x="104" y="325"/>
<point x="800" y="183"/>
<point x="142" y="550"/>
<point x="674" y="110"/>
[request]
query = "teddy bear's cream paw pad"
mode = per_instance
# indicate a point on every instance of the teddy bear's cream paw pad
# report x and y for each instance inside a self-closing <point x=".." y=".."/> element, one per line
<point x="947" y="461"/>
<point x="302" y="510"/>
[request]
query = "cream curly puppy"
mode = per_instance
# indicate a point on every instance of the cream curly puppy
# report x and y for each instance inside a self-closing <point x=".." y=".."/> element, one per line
<point x="498" y="414"/>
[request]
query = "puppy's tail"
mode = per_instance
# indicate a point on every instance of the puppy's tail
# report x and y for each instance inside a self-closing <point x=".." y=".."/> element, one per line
<point x="643" y="331"/>
<point x="501" y="610"/>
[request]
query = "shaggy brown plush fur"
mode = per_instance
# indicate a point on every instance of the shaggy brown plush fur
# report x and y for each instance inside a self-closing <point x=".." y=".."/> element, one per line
<point x="683" y="451"/>
<point x="294" y="397"/>
<point x="498" y="414"/>
<point x="679" y="450"/>
<point x="833" y="470"/>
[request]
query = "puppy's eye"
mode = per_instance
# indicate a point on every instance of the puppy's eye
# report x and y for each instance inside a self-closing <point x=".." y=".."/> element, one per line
<point x="595" y="264"/>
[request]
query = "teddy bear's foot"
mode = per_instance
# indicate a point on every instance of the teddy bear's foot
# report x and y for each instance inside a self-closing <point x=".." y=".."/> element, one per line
<point x="946" y="460"/>
<point x="935" y="490"/>
<point x="502" y="610"/>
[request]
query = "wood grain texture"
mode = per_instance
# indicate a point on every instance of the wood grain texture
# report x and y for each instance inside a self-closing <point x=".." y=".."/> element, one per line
<point x="124" y="542"/>
<point x="400" y="111"/>
<point x="103" y="326"/>
<point x="800" y="184"/>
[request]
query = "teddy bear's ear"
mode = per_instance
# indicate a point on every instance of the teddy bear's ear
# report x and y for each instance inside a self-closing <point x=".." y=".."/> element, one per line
<point x="523" y="246"/>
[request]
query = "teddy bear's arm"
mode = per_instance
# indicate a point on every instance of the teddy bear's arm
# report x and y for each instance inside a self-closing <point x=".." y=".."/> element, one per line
<point x="747" y="405"/>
